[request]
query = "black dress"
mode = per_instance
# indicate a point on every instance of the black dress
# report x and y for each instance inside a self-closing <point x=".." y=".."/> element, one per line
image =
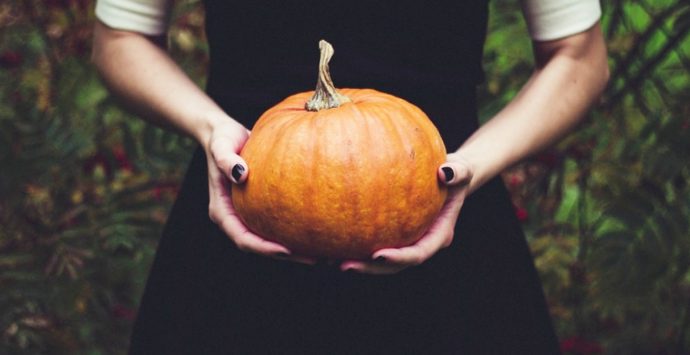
<point x="482" y="295"/>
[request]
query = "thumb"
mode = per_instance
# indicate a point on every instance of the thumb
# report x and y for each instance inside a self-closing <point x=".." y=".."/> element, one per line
<point x="229" y="162"/>
<point x="239" y="170"/>
<point x="454" y="173"/>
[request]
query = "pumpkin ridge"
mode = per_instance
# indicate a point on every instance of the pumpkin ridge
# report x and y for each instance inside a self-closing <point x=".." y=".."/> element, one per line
<point x="319" y="178"/>
<point x="278" y="173"/>
<point x="415" y="171"/>
<point x="352" y="161"/>
<point x="402" y="146"/>
<point x="370" y="204"/>
<point x="388" y="144"/>
<point x="342" y="182"/>
<point x="419" y="142"/>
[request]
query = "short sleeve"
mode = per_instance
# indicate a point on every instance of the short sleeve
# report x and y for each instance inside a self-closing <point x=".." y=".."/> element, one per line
<point x="149" y="17"/>
<point x="554" y="19"/>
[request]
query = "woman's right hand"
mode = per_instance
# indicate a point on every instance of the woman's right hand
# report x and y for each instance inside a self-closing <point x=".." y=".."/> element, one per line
<point x="225" y="167"/>
<point x="151" y="84"/>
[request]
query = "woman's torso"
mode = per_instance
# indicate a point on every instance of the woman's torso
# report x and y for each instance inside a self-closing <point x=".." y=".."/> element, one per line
<point x="480" y="295"/>
<point x="426" y="52"/>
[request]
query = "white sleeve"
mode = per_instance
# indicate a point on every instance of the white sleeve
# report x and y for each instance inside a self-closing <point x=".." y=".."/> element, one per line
<point x="554" y="19"/>
<point x="149" y="17"/>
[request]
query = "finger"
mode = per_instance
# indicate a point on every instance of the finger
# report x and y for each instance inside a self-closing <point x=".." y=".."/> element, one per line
<point x="439" y="236"/>
<point x="415" y="254"/>
<point x="247" y="241"/>
<point x="454" y="173"/>
<point x="393" y="260"/>
<point x="223" y="213"/>
<point x="234" y="167"/>
<point x="298" y="259"/>
<point x="252" y="243"/>
<point x="230" y="163"/>
<point x="371" y="267"/>
<point x="239" y="171"/>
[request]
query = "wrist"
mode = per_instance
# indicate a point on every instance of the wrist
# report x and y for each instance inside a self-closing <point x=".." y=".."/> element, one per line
<point x="210" y="122"/>
<point x="476" y="167"/>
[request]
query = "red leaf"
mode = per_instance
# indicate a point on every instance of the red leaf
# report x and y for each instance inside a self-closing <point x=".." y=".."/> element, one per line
<point x="521" y="214"/>
<point x="580" y="346"/>
<point x="120" y="311"/>
<point x="11" y="60"/>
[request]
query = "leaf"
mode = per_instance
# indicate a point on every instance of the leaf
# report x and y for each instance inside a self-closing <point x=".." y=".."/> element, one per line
<point x="682" y="20"/>
<point x="129" y="143"/>
<point x="14" y="260"/>
<point x="568" y="208"/>
<point x="19" y="276"/>
<point x="149" y="139"/>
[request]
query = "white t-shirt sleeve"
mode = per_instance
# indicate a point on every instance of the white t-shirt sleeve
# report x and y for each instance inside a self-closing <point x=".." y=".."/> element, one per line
<point x="554" y="19"/>
<point x="149" y="17"/>
<point x="546" y="19"/>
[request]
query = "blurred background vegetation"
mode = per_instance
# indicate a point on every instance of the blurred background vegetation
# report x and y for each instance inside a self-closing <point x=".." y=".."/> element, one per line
<point x="85" y="187"/>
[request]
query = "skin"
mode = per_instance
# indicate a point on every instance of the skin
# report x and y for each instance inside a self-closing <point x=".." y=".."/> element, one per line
<point x="569" y="76"/>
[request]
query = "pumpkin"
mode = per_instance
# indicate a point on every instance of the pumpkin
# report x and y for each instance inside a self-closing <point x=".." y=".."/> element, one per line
<point x="341" y="174"/>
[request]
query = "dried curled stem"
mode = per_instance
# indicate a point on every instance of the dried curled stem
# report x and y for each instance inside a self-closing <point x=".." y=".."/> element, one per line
<point x="326" y="95"/>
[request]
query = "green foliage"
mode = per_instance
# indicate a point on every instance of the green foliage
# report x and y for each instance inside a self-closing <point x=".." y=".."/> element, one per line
<point x="610" y="206"/>
<point x="85" y="187"/>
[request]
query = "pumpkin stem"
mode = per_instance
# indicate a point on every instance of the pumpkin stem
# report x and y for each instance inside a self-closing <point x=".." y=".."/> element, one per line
<point x="326" y="96"/>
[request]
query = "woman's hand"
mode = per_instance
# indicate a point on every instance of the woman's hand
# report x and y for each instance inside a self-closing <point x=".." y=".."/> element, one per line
<point x="456" y="173"/>
<point x="225" y="166"/>
<point x="141" y="73"/>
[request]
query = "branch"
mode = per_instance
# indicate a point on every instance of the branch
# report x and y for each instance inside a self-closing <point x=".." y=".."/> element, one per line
<point x="648" y="67"/>
<point x="616" y="17"/>
<point x="634" y="52"/>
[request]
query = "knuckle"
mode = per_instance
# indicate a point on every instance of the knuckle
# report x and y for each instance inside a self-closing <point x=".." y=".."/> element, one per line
<point x="243" y="245"/>
<point x="215" y="213"/>
<point x="417" y="259"/>
<point x="212" y="214"/>
<point x="216" y="145"/>
<point x="397" y="270"/>
<point x="223" y="161"/>
<point x="447" y="242"/>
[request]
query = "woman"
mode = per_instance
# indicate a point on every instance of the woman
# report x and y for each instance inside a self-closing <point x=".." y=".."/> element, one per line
<point x="466" y="287"/>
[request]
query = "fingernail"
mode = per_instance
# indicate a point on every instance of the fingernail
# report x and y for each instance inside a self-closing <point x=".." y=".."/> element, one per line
<point x="448" y="173"/>
<point x="281" y="254"/>
<point x="237" y="172"/>
<point x="380" y="259"/>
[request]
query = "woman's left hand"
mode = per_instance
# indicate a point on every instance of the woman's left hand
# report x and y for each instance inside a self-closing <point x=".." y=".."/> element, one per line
<point x="456" y="173"/>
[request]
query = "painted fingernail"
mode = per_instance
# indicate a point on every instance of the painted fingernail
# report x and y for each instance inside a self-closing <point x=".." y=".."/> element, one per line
<point x="448" y="173"/>
<point x="237" y="172"/>
<point x="380" y="259"/>
<point x="281" y="255"/>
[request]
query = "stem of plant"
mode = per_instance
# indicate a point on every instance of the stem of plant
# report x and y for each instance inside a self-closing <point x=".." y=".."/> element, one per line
<point x="326" y="95"/>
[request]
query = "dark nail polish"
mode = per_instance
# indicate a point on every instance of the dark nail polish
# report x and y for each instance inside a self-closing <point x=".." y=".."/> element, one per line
<point x="448" y="172"/>
<point x="380" y="259"/>
<point x="281" y="255"/>
<point x="237" y="172"/>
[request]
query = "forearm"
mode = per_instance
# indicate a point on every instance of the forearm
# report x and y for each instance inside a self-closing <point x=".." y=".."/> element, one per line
<point x="570" y="76"/>
<point x="150" y="83"/>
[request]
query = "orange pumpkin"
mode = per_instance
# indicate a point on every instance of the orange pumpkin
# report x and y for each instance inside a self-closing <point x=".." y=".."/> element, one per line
<point x="341" y="174"/>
